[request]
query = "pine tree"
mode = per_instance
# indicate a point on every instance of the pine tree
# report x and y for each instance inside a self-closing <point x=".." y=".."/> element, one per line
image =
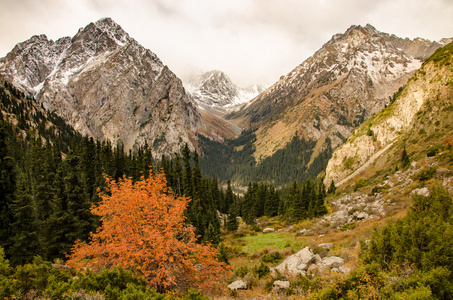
<point x="187" y="175"/>
<point x="248" y="204"/>
<point x="178" y="176"/>
<point x="197" y="186"/>
<point x="332" y="188"/>
<point x="211" y="235"/>
<point x="25" y="239"/>
<point x="232" y="221"/>
<point x="223" y="257"/>
<point x="7" y="186"/>
<point x="297" y="209"/>
<point x="320" y="208"/>
<point x="272" y="203"/>
<point x="405" y="161"/>
<point x="78" y="202"/>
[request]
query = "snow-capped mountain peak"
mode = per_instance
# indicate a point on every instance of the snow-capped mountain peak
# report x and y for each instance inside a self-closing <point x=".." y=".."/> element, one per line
<point x="214" y="89"/>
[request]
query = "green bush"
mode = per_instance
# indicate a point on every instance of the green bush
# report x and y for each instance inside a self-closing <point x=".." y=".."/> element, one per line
<point x="425" y="174"/>
<point x="349" y="226"/>
<point x="261" y="271"/>
<point x="272" y="257"/>
<point x="241" y="271"/>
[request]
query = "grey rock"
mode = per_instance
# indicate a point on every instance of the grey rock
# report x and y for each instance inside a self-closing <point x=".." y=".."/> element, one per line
<point x="325" y="245"/>
<point x="362" y="215"/>
<point x="281" y="285"/>
<point x="333" y="261"/>
<point x="297" y="263"/>
<point x="421" y="191"/>
<point x="238" y="285"/>
<point x="268" y="230"/>
<point x="344" y="270"/>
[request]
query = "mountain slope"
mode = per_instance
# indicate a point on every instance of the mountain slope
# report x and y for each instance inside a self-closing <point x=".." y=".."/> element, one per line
<point x="351" y="77"/>
<point x="419" y="119"/>
<point x="107" y="86"/>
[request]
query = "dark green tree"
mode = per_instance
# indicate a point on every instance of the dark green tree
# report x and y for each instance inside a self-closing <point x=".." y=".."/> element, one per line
<point x="232" y="221"/>
<point x="405" y="161"/>
<point x="332" y="188"/>
<point x="272" y="203"/>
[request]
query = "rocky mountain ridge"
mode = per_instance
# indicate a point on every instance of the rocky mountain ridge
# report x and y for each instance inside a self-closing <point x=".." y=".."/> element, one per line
<point x="343" y="84"/>
<point x="428" y="92"/>
<point x="107" y="86"/>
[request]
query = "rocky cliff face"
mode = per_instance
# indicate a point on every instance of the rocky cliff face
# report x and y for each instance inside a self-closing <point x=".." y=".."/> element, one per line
<point x="426" y="98"/>
<point x="107" y="86"/>
<point x="344" y="83"/>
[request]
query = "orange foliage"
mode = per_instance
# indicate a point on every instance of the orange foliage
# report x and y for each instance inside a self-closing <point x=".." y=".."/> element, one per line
<point x="144" y="230"/>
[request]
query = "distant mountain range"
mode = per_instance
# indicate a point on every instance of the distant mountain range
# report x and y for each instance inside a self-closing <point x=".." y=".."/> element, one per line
<point x="106" y="85"/>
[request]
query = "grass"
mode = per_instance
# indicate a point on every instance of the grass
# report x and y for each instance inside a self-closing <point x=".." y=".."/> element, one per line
<point x="275" y="240"/>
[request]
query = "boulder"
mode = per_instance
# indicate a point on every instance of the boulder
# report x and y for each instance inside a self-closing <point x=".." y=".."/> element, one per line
<point x="421" y="191"/>
<point x="281" y="285"/>
<point x="344" y="270"/>
<point x="297" y="263"/>
<point x="339" y="217"/>
<point x="268" y="230"/>
<point x="325" y="245"/>
<point x="362" y="215"/>
<point x="333" y="261"/>
<point x="238" y="285"/>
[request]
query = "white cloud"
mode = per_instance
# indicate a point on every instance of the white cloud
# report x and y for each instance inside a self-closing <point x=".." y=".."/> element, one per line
<point x="251" y="40"/>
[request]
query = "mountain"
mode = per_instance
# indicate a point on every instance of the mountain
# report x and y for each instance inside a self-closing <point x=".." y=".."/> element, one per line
<point x="106" y="85"/>
<point x="343" y="84"/>
<point x="418" y="121"/>
<point x="214" y="90"/>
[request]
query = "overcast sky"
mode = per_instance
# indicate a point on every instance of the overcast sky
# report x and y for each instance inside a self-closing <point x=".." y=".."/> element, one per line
<point x="252" y="41"/>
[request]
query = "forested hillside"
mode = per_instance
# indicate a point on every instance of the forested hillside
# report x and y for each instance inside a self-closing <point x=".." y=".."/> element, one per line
<point x="51" y="175"/>
<point x="233" y="160"/>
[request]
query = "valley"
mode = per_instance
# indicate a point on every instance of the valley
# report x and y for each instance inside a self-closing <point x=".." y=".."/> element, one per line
<point x="335" y="182"/>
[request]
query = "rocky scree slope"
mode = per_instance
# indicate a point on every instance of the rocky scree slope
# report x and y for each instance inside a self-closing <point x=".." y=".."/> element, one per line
<point x="420" y="112"/>
<point x="351" y="77"/>
<point x="108" y="86"/>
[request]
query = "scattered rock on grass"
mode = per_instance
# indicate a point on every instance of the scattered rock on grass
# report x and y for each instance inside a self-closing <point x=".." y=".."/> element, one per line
<point x="238" y="285"/>
<point x="268" y="230"/>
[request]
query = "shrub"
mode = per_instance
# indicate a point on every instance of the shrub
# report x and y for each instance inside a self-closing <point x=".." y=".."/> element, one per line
<point x="261" y="270"/>
<point x="349" y="226"/>
<point x="360" y="183"/>
<point x="272" y="257"/>
<point x="241" y="271"/>
<point x="425" y="174"/>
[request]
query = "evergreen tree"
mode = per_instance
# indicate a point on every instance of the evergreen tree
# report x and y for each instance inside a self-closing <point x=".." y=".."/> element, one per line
<point x="332" y="188"/>
<point x="178" y="175"/>
<point x="232" y="221"/>
<point x="296" y="209"/>
<point x="211" y="235"/>
<point x="223" y="257"/>
<point x="248" y="204"/>
<point x="320" y="208"/>
<point x="272" y="203"/>
<point x="405" y="161"/>
<point x="228" y="200"/>
<point x="187" y="175"/>
<point x="78" y="202"/>
<point x="25" y="239"/>
<point x="197" y="186"/>
<point x="7" y="186"/>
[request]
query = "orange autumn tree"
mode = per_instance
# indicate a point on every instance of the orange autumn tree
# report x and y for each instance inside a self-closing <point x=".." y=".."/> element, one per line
<point x="144" y="230"/>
